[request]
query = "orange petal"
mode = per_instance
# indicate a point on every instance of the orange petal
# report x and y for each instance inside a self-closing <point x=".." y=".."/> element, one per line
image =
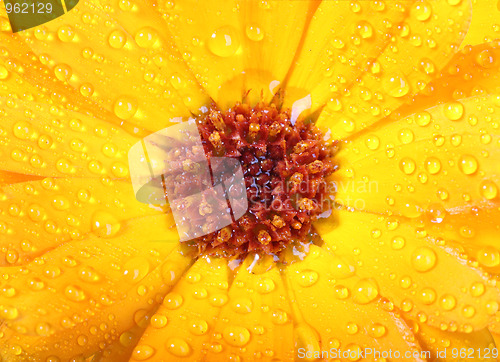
<point x="234" y="47"/>
<point x="40" y="215"/>
<point x="121" y="349"/>
<point x="82" y="296"/>
<point x="409" y="61"/>
<point x="256" y="321"/>
<point x="181" y="327"/>
<point x="454" y="346"/>
<point x="40" y="139"/>
<point x="7" y="178"/>
<point x="423" y="275"/>
<point x="445" y="157"/>
<point x="120" y="57"/>
<point x="340" y="312"/>
<point x="485" y="24"/>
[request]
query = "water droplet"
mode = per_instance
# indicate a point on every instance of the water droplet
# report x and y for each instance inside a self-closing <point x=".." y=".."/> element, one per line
<point x="173" y="300"/>
<point x="423" y="119"/>
<point x="198" y="327"/>
<point x="279" y="317"/>
<point x="146" y="37"/>
<point x="489" y="256"/>
<point x="372" y="142"/>
<point x="74" y="293"/>
<point x="422" y="10"/>
<point x="236" y="336"/>
<point x="365" y="291"/>
<point x="307" y="278"/>
<point x="406" y="136"/>
<point x="117" y="39"/>
<point x="135" y="269"/>
<point x="22" y="130"/>
<point x="398" y="243"/>
<point x="447" y="302"/>
<point x="407" y="165"/>
<point x="143" y="352"/>
<point x="364" y="29"/>
<point x="8" y="312"/>
<point x="242" y="305"/>
<point x="486" y="59"/>
<point x="468" y="164"/>
<point x="307" y="339"/>
<point x="125" y="107"/>
<point x="4" y="73"/>
<point x="489" y="189"/>
<point x="396" y="85"/>
<point x="427" y="296"/>
<point x="423" y="259"/>
<point x="432" y="165"/>
<point x="66" y="33"/>
<point x="454" y="111"/>
<point x="377" y="330"/>
<point x="104" y="224"/>
<point x="477" y="289"/>
<point x="265" y="285"/>
<point x="158" y="321"/>
<point x="254" y="33"/>
<point x="178" y="347"/>
<point x="224" y="42"/>
<point x="89" y="275"/>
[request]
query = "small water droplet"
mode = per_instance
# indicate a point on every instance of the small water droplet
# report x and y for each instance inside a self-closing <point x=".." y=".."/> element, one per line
<point x="468" y="164"/>
<point x="146" y="37"/>
<point x="117" y="39"/>
<point x="454" y="111"/>
<point x="236" y="336"/>
<point x="489" y="189"/>
<point x="254" y="33"/>
<point x="365" y="291"/>
<point x="407" y="165"/>
<point x="178" y="347"/>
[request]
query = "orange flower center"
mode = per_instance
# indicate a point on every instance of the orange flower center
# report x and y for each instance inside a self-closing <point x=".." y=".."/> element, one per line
<point x="285" y="165"/>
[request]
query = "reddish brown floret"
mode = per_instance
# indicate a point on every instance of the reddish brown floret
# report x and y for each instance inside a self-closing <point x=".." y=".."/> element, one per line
<point x="285" y="166"/>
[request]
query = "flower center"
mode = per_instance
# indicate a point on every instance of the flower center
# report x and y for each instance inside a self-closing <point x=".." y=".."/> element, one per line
<point x="284" y="164"/>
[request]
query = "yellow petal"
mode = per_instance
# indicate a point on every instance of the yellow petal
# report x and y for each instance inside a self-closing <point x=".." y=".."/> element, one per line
<point x="237" y="46"/>
<point x="445" y="157"/>
<point x="412" y="57"/>
<point x="454" y="346"/>
<point x="256" y="322"/>
<point x="423" y="275"/>
<point x="85" y="294"/>
<point x="341" y="312"/>
<point x="121" y="349"/>
<point x="40" y="139"/>
<point x="37" y="216"/>
<point x="485" y="24"/>
<point x="120" y="57"/>
<point x="182" y="326"/>
<point x="341" y="38"/>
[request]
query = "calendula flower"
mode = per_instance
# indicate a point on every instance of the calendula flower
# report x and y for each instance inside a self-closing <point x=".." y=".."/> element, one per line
<point x="376" y="98"/>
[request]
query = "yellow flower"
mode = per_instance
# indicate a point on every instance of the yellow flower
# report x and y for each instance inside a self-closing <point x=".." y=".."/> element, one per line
<point x="409" y="261"/>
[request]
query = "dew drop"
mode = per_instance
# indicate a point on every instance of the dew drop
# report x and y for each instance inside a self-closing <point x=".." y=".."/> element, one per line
<point x="489" y="189"/>
<point x="396" y="85"/>
<point x="4" y="73"/>
<point x="146" y="37"/>
<point x="422" y="10"/>
<point x="224" y="42"/>
<point x="198" y="327"/>
<point x="74" y="293"/>
<point x="454" y="111"/>
<point x="488" y="256"/>
<point x="468" y="164"/>
<point x="254" y="33"/>
<point x="432" y="165"/>
<point x="135" y="269"/>
<point x="307" y="278"/>
<point x="407" y="165"/>
<point x="66" y="33"/>
<point x="447" y="302"/>
<point x="236" y="336"/>
<point x="427" y="296"/>
<point x="398" y="243"/>
<point x="178" y="347"/>
<point x="486" y="59"/>
<point x="364" y="29"/>
<point x="143" y="352"/>
<point x="406" y="136"/>
<point x="125" y="107"/>
<point x="104" y="224"/>
<point x="158" y="321"/>
<point x="365" y="291"/>
<point x="423" y="259"/>
<point x="117" y="39"/>
<point x="372" y="142"/>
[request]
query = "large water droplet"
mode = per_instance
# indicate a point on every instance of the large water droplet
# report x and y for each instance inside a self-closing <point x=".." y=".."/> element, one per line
<point x="236" y="336"/>
<point x="254" y="33"/>
<point x="104" y="224"/>
<point x="396" y="85"/>
<point x="224" y="42"/>
<point x="468" y="164"/>
<point x="423" y="259"/>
